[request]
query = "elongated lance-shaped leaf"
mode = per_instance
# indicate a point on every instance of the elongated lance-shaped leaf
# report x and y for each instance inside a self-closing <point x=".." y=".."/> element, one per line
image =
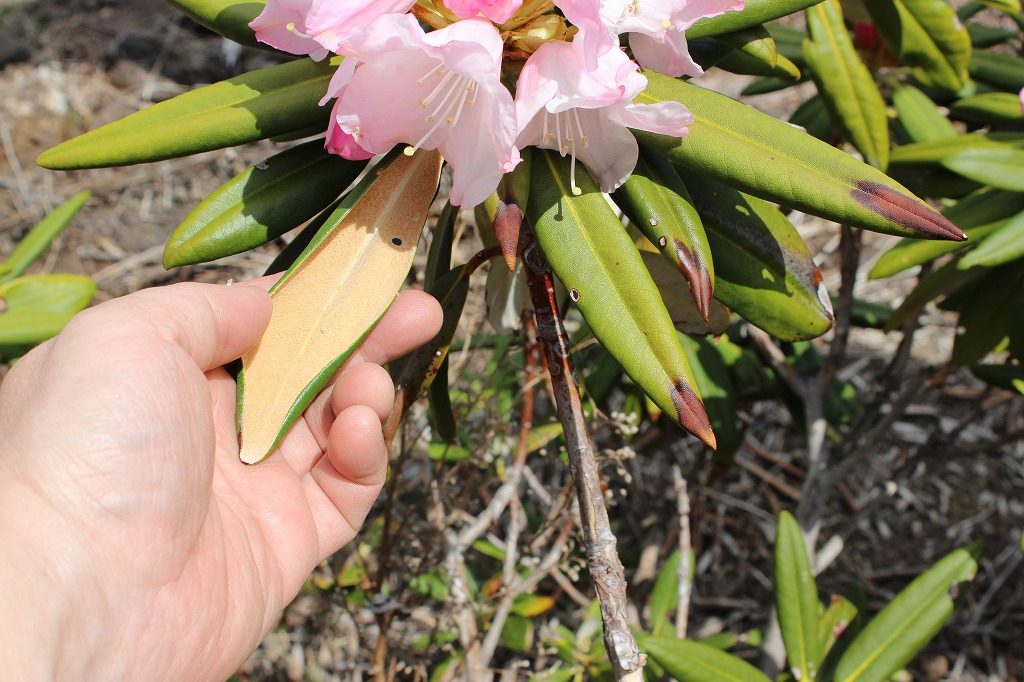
<point x="845" y="84"/>
<point x="755" y="41"/>
<point x="680" y="304"/>
<point x="832" y="624"/>
<point x="260" y="204"/>
<point x="755" y="152"/>
<point x="988" y="318"/>
<point x="295" y="248"/>
<point x="1002" y="70"/>
<point x="796" y="599"/>
<point x="593" y="256"/>
<point x="250" y="107"/>
<point x="718" y="393"/>
<point x="439" y="256"/>
<point x="34" y="308"/>
<point x="989" y="108"/>
<point x="941" y="282"/>
<point x="1000" y="167"/>
<point x="689" y="661"/>
<point x="920" y="117"/>
<point x="907" y="623"/>
<point x="755" y="13"/>
<point x="1004" y="245"/>
<point x="983" y="35"/>
<point x="929" y="37"/>
<point x="737" y="61"/>
<point x="332" y="296"/>
<point x="229" y="18"/>
<point x="812" y="115"/>
<point x="980" y="213"/>
<point x="764" y="270"/>
<point x="39" y="237"/>
<point x="932" y="153"/>
<point x="656" y="201"/>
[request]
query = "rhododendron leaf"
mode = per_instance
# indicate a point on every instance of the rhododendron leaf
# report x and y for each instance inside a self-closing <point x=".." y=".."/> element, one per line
<point x="229" y="18"/>
<point x="1001" y="70"/>
<point x="332" y="296"/>
<point x="34" y="308"/>
<point x="261" y="203"/>
<point x="920" y="117"/>
<point x="796" y="599"/>
<point x="941" y="282"/>
<point x="676" y="296"/>
<point x="594" y="257"/>
<point x="718" y="393"/>
<point x="755" y="13"/>
<point x="1004" y="244"/>
<point x="907" y="622"/>
<point x="929" y="37"/>
<point x="845" y="84"/>
<point x="933" y="152"/>
<point x="999" y="167"/>
<point x="689" y="661"/>
<point x="989" y="107"/>
<point x="656" y="201"/>
<point x="250" y="107"/>
<point x="39" y="237"/>
<point x="979" y="214"/>
<point x="764" y="271"/>
<point x="742" y="147"/>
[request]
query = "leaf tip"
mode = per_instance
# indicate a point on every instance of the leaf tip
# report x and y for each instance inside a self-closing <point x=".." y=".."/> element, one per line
<point x="698" y="275"/>
<point x="905" y="211"/>
<point x="691" y="413"/>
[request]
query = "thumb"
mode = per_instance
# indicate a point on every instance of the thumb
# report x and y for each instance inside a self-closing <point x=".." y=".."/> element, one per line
<point x="214" y="324"/>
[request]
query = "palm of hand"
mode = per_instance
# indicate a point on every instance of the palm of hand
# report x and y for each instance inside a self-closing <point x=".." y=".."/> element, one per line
<point x="181" y="547"/>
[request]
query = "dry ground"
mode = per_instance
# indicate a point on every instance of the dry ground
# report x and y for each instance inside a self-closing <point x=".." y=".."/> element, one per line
<point x="950" y="470"/>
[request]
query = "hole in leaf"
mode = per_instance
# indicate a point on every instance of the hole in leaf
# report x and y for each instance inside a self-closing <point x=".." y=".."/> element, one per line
<point x="397" y="241"/>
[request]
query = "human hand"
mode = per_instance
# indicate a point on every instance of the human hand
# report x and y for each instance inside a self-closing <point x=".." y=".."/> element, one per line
<point x="135" y="543"/>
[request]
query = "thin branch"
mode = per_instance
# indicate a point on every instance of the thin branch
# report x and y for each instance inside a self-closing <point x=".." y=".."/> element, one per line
<point x="685" y="584"/>
<point x="599" y="541"/>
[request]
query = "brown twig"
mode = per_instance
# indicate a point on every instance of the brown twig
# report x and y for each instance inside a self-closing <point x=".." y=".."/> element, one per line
<point x="685" y="584"/>
<point x="599" y="541"/>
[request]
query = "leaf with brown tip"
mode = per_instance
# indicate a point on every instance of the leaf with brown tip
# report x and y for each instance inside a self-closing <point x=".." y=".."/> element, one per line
<point x="331" y="297"/>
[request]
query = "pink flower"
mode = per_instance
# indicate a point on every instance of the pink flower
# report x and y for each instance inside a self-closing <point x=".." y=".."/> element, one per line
<point x="656" y="28"/>
<point x="440" y="90"/>
<point x="586" y="113"/>
<point x="498" y="11"/>
<point x="316" y="27"/>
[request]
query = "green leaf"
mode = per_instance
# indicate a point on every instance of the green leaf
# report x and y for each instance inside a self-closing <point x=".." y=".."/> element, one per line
<point x="332" y="296"/>
<point x="664" y="598"/>
<point x="261" y="204"/>
<point x="796" y="599"/>
<point x="1002" y="246"/>
<point x="832" y="624"/>
<point x="986" y="321"/>
<point x="812" y="115"/>
<point x="999" y="167"/>
<point x="34" y="308"/>
<point x="756" y="42"/>
<point x="744" y="148"/>
<point x="755" y="13"/>
<point x="439" y="402"/>
<point x="250" y="107"/>
<point x="979" y="214"/>
<point x="656" y="201"/>
<point x="907" y="623"/>
<point x="929" y="37"/>
<point x="517" y="633"/>
<point x="594" y="257"/>
<point x="989" y="107"/>
<point x="229" y="18"/>
<point x="928" y="153"/>
<point x="1007" y="377"/>
<point x="845" y="83"/>
<point x="941" y="282"/>
<point x="439" y="257"/>
<point x="688" y="661"/>
<point x="1001" y="70"/>
<point x="983" y="35"/>
<point x="765" y="272"/>
<point x="39" y="237"/>
<point x="716" y="389"/>
<point x="1003" y="5"/>
<point x="920" y="117"/>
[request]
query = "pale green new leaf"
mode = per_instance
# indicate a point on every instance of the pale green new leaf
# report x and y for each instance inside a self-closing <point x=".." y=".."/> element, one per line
<point x="907" y="623"/>
<point x="1002" y="246"/>
<point x="34" y="308"/>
